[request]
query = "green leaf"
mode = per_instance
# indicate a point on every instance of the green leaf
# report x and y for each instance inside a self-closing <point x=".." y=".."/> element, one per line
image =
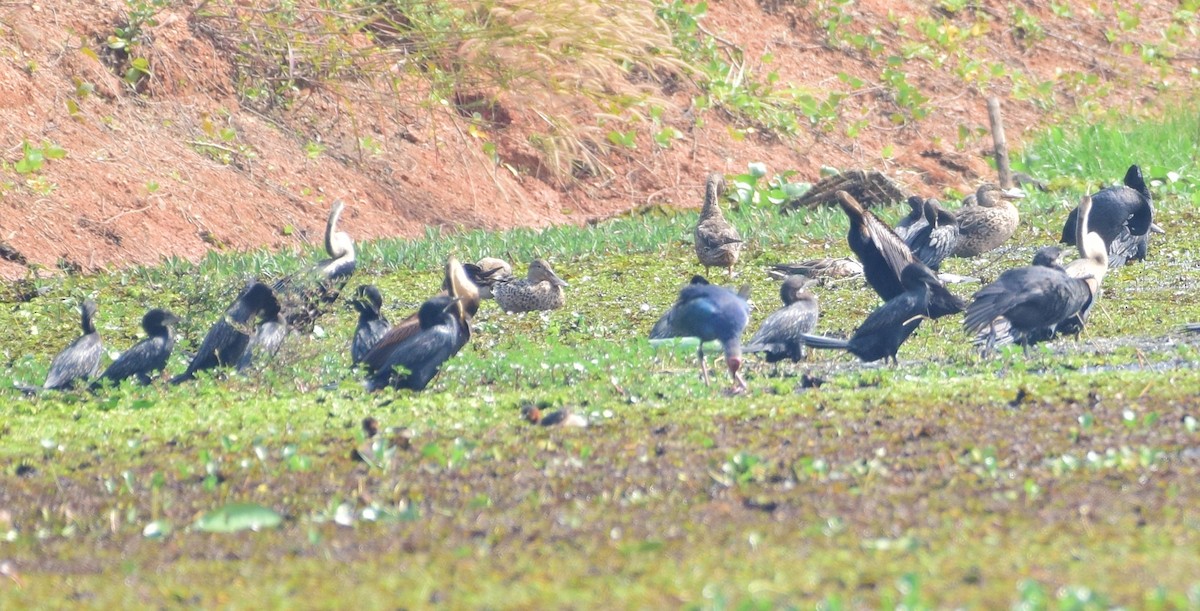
<point x="235" y="517"/>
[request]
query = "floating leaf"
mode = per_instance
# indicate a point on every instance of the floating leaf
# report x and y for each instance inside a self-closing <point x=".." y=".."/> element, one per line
<point x="238" y="516"/>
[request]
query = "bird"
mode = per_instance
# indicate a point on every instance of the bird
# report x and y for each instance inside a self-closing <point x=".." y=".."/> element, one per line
<point x="487" y="272"/>
<point x="305" y="296"/>
<point x="77" y="362"/>
<point x="1036" y="299"/>
<point x="663" y="328"/>
<point x="779" y="337"/>
<point x="540" y="289"/>
<point x="914" y="221"/>
<point x="149" y="355"/>
<point x="936" y="238"/>
<point x="1000" y="332"/>
<point x="422" y="354"/>
<point x="1092" y="264"/>
<point x="884" y="256"/>
<point x="371" y="323"/>
<point x="717" y="241"/>
<point x="987" y="223"/>
<point x="710" y="312"/>
<point x="267" y="338"/>
<point x="456" y="282"/>
<point x="886" y="329"/>
<point x="1048" y="256"/>
<point x="228" y="338"/>
<point x="841" y="267"/>
<point x="1123" y="216"/>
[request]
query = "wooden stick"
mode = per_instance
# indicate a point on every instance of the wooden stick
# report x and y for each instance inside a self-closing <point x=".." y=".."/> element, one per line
<point x="1000" y="146"/>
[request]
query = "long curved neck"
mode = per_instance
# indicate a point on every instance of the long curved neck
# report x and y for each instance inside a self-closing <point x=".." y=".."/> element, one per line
<point x="85" y="320"/>
<point x="334" y="246"/>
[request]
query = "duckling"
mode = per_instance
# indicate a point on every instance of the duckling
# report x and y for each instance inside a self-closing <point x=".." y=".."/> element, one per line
<point x="147" y="356"/>
<point x="371" y="323"/>
<point x="79" y="361"/>
<point x="540" y="289"/>
<point x="717" y="241"/>
<point x="987" y="223"/>
<point x="780" y="334"/>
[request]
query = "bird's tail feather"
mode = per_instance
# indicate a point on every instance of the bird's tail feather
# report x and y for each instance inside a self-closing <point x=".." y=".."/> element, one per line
<point x="820" y="341"/>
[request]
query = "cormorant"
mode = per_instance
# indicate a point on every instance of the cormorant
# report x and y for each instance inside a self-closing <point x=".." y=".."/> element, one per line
<point x="709" y="312"/>
<point x="371" y="323"/>
<point x="305" y="296"/>
<point x="228" y="338"/>
<point x="1037" y="300"/>
<point x="1000" y="332"/>
<point x="987" y="223"/>
<point x="936" y="238"/>
<point x="884" y="256"/>
<point x="779" y="337"/>
<point x="885" y="330"/>
<point x="77" y="362"/>
<point x="915" y="219"/>
<point x="457" y="283"/>
<point x="540" y="289"/>
<point x="1122" y="216"/>
<point x="421" y="355"/>
<point x="148" y="356"/>
<point x="717" y="241"/>
<point x="266" y="340"/>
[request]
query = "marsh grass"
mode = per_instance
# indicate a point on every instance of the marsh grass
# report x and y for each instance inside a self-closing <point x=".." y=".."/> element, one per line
<point x="949" y="480"/>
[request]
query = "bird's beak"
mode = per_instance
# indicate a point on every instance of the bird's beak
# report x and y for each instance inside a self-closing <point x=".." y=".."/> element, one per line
<point x="556" y="281"/>
<point x="453" y="302"/>
<point x="1156" y="228"/>
<point x="1013" y="193"/>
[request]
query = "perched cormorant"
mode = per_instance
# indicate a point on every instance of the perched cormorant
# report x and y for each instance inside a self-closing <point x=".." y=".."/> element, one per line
<point x="987" y="223"/>
<point x="663" y="328"/>
<point x="371" y="323"/>
<point x="779" y="337"/>
<point x="1037" y="300"/>
<point x="885" y="330"/>
<point x="458" y="283"/>
<point x="148" y="356"/>
<point x="305" y="296"/>
<point x="228" y="338"/>
<point x="1000" y="332"/>
<point x="936" y="238"/>
<point x="1122" y="216"/>
<point x="914" y="221"/>
<point x="717" y="241"/>
<point x="709" y="312"/>
<point x="421" y="355"/>
<point x="540" y="289"/>
<point x="884" y="256"/>
<point x="266" y="340"/>
<point x="77" y="362"/>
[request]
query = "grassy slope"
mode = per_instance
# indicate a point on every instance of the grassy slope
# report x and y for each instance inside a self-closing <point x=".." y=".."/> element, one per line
<point x="950" y="480"/>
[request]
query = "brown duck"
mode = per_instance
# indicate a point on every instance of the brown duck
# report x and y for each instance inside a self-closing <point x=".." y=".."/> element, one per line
<point x="988" y="222"/>
<point x="717" y="241"/>
<point x="540" y="289"/>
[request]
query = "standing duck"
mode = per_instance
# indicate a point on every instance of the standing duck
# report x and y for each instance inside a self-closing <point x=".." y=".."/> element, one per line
<point x="884" y="257"/>
<point x="709" y="312"/>
<point x="226" y="341"/>
<point x="987" y="223"/>
<point x="1122" y="216"/>
<point x="305" y="296"/>
<point x="371" y="323"/>
<point x="77" y="362"/>
<point x="148" y="356"/>
<point x="780" y="336"/>
<point x="936" y="238"/>
<point x="540" y="289"/>
<point x="717" y="241"/>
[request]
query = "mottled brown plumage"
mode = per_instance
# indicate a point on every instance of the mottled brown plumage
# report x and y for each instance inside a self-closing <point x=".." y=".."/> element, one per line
<point x="987" y="223"/>
<point x="717" y="241"/>
<point x="540" y="289"/>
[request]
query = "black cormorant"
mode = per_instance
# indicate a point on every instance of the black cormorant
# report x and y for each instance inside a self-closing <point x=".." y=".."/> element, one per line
<point x="228" y="338"/>
<point x="80" y="360"/>
<point x="145" y="358"/>
<point x="779" y="337"/>
<point x="307" y="295"/>
<point x="267" y="338"/>
<point x="937" y="238"/>
<point x="421" y="355"/>
<point x="914" y="221"/>
<point x="1122" y="216"/>
<point x="371" y="323"/>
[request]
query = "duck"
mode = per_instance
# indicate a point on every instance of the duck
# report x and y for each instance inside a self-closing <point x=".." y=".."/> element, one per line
<point x="718" y="243"/>
<point x="890" y="325"/>
<point x="142" y="360"/>
<point x="307" y="295"/>
<point x="884" y="257"/>
<point x="540" y="289"/>
<point x="420" y="356"/>
<point x="709" y="312"/>
<point x="779" y="337"/>
<point x="457" y="283"/>
<point x="988" y="222"/>
<point x="818" y="269"/>
<point x="227" y="340"/>
<point x="936" y="238"/>
<point x="79" y="361"/>
<point x="372" y="325"/>
<point x="1123" y="216"/>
